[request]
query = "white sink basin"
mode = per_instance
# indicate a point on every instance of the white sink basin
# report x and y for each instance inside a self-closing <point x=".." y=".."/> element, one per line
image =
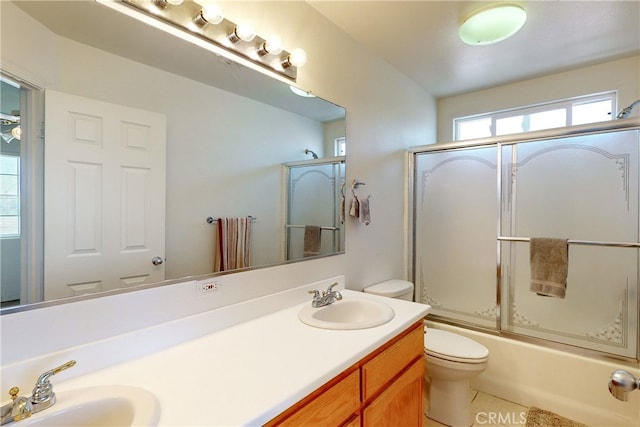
<point x="99" y="406"/>
<point x="347" y="314"/>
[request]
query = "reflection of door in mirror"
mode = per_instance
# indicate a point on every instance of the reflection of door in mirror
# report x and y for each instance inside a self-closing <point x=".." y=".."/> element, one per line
<point x="20" y="191"/>
<point x="314" y="199"/>
<point x="102" y="157"/>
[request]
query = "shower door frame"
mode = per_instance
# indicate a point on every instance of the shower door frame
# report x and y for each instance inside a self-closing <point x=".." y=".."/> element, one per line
<point x="499" y="142"/>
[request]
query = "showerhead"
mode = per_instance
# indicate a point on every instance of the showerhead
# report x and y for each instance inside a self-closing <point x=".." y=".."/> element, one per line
<point x="622" y="383"/>
<point x="626" y="112"/>
<point x="307" y="151"/>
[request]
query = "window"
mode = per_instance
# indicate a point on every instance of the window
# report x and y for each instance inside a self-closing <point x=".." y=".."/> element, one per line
<point x="340" y="145"/>
<point x="9" y="196"/>
<point x="566" y="112"/>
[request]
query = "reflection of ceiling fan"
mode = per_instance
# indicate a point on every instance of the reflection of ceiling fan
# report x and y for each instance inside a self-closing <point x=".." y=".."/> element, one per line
<point x="10" y="126"/>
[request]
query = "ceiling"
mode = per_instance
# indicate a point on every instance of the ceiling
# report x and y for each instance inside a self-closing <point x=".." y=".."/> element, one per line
<point x="420" y="39"/>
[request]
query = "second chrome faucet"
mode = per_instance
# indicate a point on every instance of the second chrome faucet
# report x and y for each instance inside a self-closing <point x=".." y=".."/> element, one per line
<point x="41" y="398"/>
<point x="325" y="298"/>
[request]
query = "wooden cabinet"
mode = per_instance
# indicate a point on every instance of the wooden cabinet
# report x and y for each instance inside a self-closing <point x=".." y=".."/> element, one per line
<point x="383" y="389"/>
<point x="330" y="405"/>
<point x="401" y="403"/>
<point x="384" y="364"/>
<point x="354" y="422"/>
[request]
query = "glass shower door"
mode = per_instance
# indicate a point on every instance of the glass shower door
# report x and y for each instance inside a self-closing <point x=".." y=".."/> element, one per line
<point x="584" y="189"/>
<point x="314" y="198"/>
<point x="455" y="238"/>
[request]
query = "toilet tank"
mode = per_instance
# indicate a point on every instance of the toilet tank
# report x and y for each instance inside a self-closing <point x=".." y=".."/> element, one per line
<point x="395" y="288"/>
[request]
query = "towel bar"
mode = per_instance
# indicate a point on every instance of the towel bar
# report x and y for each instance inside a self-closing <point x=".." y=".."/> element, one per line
<point x="211" y="219"/>
<point x="576" y="242"/>
<point x="303" y="226"/>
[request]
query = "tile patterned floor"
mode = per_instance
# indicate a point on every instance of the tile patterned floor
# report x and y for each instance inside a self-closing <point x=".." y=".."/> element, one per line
<point x="490" y="411"/>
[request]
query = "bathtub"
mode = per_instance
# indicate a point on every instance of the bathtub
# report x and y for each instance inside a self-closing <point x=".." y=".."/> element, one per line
<point x="570" y="385"/>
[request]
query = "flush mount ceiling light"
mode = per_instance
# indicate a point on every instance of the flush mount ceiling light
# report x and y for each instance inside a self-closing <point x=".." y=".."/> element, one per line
<point x="492" y="24"/>
<point x="301" y="92"/>
<point x="204" y="20"/>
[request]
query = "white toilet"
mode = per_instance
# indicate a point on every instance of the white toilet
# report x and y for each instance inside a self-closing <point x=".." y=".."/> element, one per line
<point x="451" y="362"/>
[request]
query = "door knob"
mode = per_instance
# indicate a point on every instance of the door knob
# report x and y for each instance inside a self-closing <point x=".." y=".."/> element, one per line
<point x="156" y="260"/>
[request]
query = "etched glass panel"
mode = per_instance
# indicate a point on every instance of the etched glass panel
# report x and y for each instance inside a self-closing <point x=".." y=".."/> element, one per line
<point x="455" y="240"/>
<point x="584" y="189"/>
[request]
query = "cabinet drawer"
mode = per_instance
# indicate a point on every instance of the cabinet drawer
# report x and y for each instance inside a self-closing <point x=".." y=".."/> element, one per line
<point x="384" y="367"/>
<point x="330" y="405"/>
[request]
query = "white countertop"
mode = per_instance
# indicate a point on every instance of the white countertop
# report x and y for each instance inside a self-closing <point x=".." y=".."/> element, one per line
<point x="247" y="373"/>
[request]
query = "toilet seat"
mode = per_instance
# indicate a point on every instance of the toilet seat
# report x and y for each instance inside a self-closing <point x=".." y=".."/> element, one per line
<point x="456" y="348"/>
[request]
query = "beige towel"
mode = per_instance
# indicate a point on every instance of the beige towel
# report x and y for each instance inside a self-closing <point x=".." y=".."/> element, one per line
<point x="364" y="211"/>
<point x="549" y="261"/>
<point x="355" y="207"/>
<point x="311" y="240"/>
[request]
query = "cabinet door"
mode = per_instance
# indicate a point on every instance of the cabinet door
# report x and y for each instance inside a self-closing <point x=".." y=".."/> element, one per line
<point x="401" y="404"/>
<point x="354" y="422"/>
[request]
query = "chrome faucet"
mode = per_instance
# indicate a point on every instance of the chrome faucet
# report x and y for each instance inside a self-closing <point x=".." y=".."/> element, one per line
<point x="327" y="297"/>
<point x="18" y="409"/>
<point x="41" y="398"/>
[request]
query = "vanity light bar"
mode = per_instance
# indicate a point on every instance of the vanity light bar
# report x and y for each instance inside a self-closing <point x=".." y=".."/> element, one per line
<point x="188" y="16"/>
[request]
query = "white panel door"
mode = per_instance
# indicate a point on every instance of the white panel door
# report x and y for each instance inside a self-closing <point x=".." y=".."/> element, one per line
<point x="104" y="195"/>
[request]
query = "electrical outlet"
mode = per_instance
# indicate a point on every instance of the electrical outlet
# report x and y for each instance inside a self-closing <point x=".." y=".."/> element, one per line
<point x="205" y="287"/>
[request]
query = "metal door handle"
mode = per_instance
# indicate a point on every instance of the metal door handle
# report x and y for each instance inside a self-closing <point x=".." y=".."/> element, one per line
<point x="156" y="260"/>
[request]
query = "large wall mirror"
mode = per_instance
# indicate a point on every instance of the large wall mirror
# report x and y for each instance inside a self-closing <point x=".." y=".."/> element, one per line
<point x="207" y="139"/>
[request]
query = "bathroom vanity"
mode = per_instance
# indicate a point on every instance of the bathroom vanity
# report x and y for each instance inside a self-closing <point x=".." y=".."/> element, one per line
<point x="384" y="388"/>
<point x="255" y="363"/>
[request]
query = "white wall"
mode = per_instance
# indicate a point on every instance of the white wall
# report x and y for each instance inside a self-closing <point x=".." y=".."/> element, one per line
<point x="621" y="75"/>
<point x="386" y="114"/>
<point x="332" y="130"/>
<point x="382" y="121"/>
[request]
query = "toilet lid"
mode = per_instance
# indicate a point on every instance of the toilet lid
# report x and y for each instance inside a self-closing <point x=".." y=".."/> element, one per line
<point x="390" y="288"/>
<point x="447" y="345"/>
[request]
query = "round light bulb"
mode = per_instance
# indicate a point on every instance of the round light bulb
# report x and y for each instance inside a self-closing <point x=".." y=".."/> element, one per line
<point x="273" y="44"/>
<point x="298" y="57"/>
<point x="245" y="31"/>
<point x="493" y="24"/>
<point x="212" y="13"/>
